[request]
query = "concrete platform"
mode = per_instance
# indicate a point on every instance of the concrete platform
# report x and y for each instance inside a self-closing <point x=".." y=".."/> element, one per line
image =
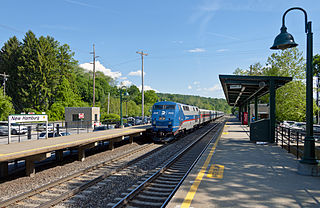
<point x="37" y="150"/>
<point x="237" y="173"/>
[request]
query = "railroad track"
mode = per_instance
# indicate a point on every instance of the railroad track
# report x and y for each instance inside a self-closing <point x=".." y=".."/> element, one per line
<point x="159" y="188"/>
<point x="62" y="189"/>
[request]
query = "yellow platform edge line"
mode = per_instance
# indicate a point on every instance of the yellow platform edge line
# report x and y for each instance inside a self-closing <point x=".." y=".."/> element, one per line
<point x="55" y="145"/>
<point x="193" y="189"/>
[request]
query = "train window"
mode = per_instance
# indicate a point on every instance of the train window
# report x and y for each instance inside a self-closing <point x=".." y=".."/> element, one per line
<point x="158" y="107"/>
<point x="170" y="107"/>
<point x="186" y="108"/>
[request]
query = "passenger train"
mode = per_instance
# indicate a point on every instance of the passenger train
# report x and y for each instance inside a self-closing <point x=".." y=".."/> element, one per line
<point x="170" y="119"/>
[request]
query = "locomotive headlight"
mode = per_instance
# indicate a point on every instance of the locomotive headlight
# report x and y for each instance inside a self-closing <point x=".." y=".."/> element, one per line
<point x="154" y="122"/>
<point x="170" y="122"/>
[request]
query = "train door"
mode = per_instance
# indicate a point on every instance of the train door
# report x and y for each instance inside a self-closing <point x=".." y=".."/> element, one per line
<point x="181" y="115"/>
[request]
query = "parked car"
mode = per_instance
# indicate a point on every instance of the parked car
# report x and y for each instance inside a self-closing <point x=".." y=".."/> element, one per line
<point x="15" y="127"/>
<point x="287" y="124"/>
<point x="43" y="127"/>
<point x="65" y="133"/>
<point x="50" y="134"/>
<point x="298" y="126"/>
<point x="100" y="128"/>
<point x="3" y="130"/>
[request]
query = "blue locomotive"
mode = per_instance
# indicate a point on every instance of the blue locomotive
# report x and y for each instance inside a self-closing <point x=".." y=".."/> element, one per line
<point x="170" y="119"/>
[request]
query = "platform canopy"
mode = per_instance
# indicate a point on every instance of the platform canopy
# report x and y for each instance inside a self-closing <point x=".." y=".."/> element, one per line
<point x="240" y="89"/>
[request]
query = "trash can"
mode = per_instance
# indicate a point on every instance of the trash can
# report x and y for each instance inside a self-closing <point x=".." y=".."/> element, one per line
<point x="260" y="131"/>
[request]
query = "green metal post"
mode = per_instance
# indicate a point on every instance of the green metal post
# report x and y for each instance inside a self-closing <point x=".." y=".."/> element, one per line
<point x="121" y="121"/>
<point x="272" y="104"/>
<point x="240" y="113"/>
<point x="309" y="145"/>
<point x="248" y="113"/>
<point x="256" y="108"/>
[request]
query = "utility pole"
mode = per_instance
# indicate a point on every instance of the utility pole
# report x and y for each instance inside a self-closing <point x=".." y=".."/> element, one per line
<point x="142" y="92"/>
<point x="94" y="75"/>
<point x="108" y="101"/>
<point x="5" y="78"/>
<point x="318" y="76"/>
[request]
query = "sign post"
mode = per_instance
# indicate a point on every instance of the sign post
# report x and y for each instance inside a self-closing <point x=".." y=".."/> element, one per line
<point x="81" y="117"/>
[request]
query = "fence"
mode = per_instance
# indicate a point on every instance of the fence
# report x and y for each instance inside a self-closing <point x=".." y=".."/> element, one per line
<point x="292" y="139"/>
<point x="32" y="131"/>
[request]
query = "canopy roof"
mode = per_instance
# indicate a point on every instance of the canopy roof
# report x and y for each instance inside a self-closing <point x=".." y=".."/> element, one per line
<point x="240" y="89"/>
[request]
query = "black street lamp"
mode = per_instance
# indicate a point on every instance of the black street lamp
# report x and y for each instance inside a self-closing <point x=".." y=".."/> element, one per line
<point x="125" y="94"/>
<point x="284" y="40"/>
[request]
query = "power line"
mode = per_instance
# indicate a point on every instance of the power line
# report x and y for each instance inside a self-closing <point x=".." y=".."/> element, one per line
<point x="5" y="78"/>
<point x="142" y="93"/>
<point x="94" y="75"/>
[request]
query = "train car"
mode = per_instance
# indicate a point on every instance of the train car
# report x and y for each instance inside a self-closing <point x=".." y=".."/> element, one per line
<point x="170" y="118"/>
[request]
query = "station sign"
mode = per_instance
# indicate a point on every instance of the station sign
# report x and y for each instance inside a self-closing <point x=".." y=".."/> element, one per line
<point x="81" y="115"/>
<point x="235" y="86"/>
<point x="27" y="118"/>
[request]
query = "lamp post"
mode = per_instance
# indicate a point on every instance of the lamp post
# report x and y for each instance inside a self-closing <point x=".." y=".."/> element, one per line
<point x="308" y="163"/>
<point x="121" y="120"/>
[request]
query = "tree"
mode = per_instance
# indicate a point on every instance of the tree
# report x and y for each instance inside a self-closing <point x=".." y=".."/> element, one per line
<point x="290" y="99"/>
<point x="6" y="107"/>
<point x="316" y="65"/>
<point x="9" y="62"/>
<point x="150" y="96"/>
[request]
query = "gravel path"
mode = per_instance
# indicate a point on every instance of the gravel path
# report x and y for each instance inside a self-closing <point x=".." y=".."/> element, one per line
<point x="23" y="184"/>
<point x="113" y="187"/>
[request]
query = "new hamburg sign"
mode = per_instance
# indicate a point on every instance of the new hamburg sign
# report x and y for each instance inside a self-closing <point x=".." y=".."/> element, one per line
<point x="26" y="118"/>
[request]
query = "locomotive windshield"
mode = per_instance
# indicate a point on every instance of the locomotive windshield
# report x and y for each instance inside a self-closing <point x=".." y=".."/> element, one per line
<point x="162" y="107"/>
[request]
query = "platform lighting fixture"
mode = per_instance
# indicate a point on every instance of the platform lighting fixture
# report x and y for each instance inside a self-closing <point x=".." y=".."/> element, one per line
<point x="283" y="41"/>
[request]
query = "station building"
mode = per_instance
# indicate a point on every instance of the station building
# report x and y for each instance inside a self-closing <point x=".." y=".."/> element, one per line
<point x="84" y="117"/>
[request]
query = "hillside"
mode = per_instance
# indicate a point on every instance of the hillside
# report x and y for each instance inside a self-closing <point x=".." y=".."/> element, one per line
<point x="201" y="102"/>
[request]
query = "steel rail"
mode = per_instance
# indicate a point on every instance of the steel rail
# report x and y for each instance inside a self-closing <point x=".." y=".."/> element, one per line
<point x="124" y="201"/>
<point x="75" y="175"/>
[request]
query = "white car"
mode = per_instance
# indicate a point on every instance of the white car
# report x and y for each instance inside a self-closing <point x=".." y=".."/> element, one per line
<point x="287" y="124"/>
<point x="15" y="127"/>
<point x="3" y="130"/>
<point x="42" y="127"/>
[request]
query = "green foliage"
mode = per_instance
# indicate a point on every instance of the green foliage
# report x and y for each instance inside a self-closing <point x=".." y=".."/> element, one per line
<point x="44" y="77"/>
<point x="41" y="74"/>
<point x="6" y="107"/>
<point x="291" y="98"/>
<point x="110" y="116"/>
<point x="316" y="64"/>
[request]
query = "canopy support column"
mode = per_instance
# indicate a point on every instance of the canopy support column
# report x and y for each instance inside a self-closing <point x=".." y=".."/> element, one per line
<point x="272" y="104"/>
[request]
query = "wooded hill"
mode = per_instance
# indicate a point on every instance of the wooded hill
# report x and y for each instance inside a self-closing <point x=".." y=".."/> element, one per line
<point x="201" y="102"/>
<point x="45" y="77"/>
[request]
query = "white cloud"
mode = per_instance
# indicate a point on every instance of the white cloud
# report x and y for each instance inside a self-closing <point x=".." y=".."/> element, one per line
<point x="189" y="87"/>
<point x="197" y="50"/>
<point x="196" y="83"/>
<point x="146" y="88"/>
<point x="100" y="67"/>
<point x="223" y="36"/>
<point x="177" y="41"/>
<point x="126" y="83"/>
<point x="136" y="73"/>
<point x="222" y="50"/>
<point x="214" y="88"/>
<point x="123" y="77"/>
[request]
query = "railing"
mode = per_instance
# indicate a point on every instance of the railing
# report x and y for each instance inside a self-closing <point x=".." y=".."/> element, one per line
<point x="33" y="131"/>
<point x="292" y="139"/>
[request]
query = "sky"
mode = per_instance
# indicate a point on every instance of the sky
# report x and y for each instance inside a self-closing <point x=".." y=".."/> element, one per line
<point x="188" y="42"/>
